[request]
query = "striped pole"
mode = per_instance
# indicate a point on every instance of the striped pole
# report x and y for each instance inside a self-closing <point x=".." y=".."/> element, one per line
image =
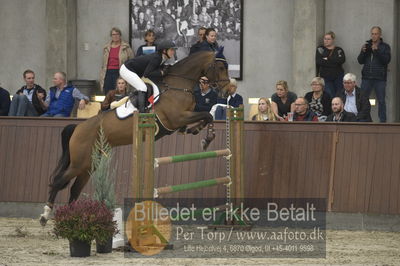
<point x="191" y="186"/>
<point x="191" y="157"/>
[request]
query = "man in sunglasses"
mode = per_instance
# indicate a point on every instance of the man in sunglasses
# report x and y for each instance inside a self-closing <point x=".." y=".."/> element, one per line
<point x="205" y="97"/>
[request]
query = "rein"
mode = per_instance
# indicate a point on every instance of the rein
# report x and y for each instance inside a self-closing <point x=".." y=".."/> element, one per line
<point x="213" y="85"/>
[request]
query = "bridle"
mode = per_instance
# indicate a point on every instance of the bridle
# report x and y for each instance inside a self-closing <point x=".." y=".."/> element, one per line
<point x="216" y="82"/>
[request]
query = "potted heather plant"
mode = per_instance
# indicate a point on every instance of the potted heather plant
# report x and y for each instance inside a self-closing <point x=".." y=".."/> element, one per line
<point x="81" y="222"/>
<point x="103" y="177"/>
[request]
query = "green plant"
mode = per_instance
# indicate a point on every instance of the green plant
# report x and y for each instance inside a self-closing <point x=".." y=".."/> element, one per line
<point x="84" y="220"/>
<point x="102" y="174"/>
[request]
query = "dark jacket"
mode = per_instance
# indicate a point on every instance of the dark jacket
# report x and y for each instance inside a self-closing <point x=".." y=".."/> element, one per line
<point x="4" y="102"/>
<point x="332" y="67"/>
<point x="309" y="116"/>
<point x="204" y="103"/>
<point x="346" y="117"/>
<point x="148" y="66"/>
<point x="362" y="103"/>
<point x="326" y="102"/>
<point x="35" y="99"/>
<point x="375" y="62"/>
<point x="205" y="46"/>
<point x="233" y="101"/>
<point x="195" y="47"/>
<point x="139" y="51"/>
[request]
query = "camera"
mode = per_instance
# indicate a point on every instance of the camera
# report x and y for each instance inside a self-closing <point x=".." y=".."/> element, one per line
<point x="368" y="46"/>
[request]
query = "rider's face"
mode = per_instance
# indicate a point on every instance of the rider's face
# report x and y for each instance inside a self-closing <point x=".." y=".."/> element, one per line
<point x="171" y="52"/>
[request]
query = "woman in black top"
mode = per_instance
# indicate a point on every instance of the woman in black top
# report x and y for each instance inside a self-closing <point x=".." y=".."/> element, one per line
<point x="282" y="102"/>
<point x="319" y="101"/>
<point x="329" y="59"/>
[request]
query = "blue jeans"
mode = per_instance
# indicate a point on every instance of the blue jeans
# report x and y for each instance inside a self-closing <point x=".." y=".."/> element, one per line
<point x="380" y="90"/>
<point x="49" y="115"/>
<point x="21" y="106"/>
<point x="333" y="86"/>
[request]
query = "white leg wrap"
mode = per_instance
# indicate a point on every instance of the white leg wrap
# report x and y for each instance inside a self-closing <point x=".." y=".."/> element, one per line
<point x="47" y="211"/>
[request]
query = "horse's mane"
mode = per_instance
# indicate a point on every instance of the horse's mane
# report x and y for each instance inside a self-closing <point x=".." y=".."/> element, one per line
<point x="193" y="57"/>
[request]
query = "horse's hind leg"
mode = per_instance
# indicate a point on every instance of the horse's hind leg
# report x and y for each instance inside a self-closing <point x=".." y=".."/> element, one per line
<point x="60" y="184"/>
<point x="78" y="185"/>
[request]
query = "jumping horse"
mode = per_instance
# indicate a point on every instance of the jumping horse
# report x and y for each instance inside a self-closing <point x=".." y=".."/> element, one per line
<point x="174" y="111"/>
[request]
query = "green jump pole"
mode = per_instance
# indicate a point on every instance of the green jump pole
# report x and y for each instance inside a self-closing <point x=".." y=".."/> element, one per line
<point x="191" y="157"/>
<point x="191" y="186"/>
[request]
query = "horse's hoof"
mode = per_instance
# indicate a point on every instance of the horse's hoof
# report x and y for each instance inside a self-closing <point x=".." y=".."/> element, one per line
<point x="43" y="220"/>
<point x="204" y="144"/>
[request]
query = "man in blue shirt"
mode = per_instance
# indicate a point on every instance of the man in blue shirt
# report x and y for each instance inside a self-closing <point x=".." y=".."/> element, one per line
<point x="62" y="97"/>
<point x="205" y="97"/>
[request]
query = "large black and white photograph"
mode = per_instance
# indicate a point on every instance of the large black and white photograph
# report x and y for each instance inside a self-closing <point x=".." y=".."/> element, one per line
<point x="185" y="22"/>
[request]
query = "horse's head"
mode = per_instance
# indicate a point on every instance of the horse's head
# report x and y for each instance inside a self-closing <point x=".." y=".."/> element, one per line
<point x="218" y="73"/>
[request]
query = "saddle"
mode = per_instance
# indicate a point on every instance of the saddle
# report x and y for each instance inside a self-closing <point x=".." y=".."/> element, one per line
<point x="133" y="97"/>
<point x="129" y="103"/>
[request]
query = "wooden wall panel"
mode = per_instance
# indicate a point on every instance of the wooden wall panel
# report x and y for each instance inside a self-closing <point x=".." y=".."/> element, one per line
<point x="281" y="160"/>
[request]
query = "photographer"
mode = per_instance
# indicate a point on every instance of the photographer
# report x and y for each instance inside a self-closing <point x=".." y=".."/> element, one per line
<point x="375" y="56"/>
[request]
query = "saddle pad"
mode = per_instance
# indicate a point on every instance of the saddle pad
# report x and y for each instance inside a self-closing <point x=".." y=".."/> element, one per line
<point x="127" y="109"/>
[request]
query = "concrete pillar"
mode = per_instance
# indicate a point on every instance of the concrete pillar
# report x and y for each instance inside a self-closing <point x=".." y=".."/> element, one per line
<point x="61" y="38"/>
<point x="308" y="28"/>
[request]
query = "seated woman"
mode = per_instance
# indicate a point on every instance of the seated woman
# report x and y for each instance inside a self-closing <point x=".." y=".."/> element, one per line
<point x="264" y="111"/>
<point x="114" y="96"/>
<point x="283" y="100"/>
<point x="149" y="47"/>
<point x="319" y="100"/>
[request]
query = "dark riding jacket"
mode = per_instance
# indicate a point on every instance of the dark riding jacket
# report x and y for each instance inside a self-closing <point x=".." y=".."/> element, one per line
<point x="148" y="66"/>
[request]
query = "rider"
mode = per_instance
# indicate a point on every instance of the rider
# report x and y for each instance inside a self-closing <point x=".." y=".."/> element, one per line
<point x="147" y="66"/>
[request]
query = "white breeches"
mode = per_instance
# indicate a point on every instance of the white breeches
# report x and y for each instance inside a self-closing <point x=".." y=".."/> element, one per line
<point x="132" y="78"/>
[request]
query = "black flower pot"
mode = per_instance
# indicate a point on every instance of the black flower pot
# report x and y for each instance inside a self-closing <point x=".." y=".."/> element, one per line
<point x="79" y="248"/>
<point x="105" y="247"/>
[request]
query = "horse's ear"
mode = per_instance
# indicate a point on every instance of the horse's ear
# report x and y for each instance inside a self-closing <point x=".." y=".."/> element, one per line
<point x="219" y="56"/>
<point x="220" y="52"/>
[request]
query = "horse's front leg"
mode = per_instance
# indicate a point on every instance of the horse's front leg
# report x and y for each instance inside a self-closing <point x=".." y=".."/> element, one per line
<point x="201" y="119"/>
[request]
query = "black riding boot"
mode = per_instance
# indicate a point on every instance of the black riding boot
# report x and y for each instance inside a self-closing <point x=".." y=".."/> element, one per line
<point x="141" y="101"/>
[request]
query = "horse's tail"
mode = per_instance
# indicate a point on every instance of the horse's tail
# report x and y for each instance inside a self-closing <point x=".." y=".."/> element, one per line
<point x="58" y="183"/>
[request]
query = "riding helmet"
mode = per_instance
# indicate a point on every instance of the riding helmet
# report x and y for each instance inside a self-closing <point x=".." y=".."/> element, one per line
<point x="166" y="45"/>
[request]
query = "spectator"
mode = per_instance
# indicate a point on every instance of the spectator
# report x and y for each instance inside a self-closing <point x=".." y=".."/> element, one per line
<point x="302" y="111"/>
<point x="115" y="54"/>
<point x="30" y="99"/>
<point x="62" y="97"/>
<point x="205" y="98"/>
<point x="4" y="102"/>
<point x="320" y="102"/>
<point x="339" y="114"/>
<point x="210" y="42"/>
<point x="149" y="47"/>
<point x="141" y="23"/>
<point x="115" y="95"/>
<point x="329" y="59"/>
<point x="282" y="100"/>
<point x="264" y="111"/>
<point x="233" y="100"/>
<point x="201" y="32"/>
<point x="355" y="101"/>
<point x="204" y="17"/>
<point x="375" y="56"/>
